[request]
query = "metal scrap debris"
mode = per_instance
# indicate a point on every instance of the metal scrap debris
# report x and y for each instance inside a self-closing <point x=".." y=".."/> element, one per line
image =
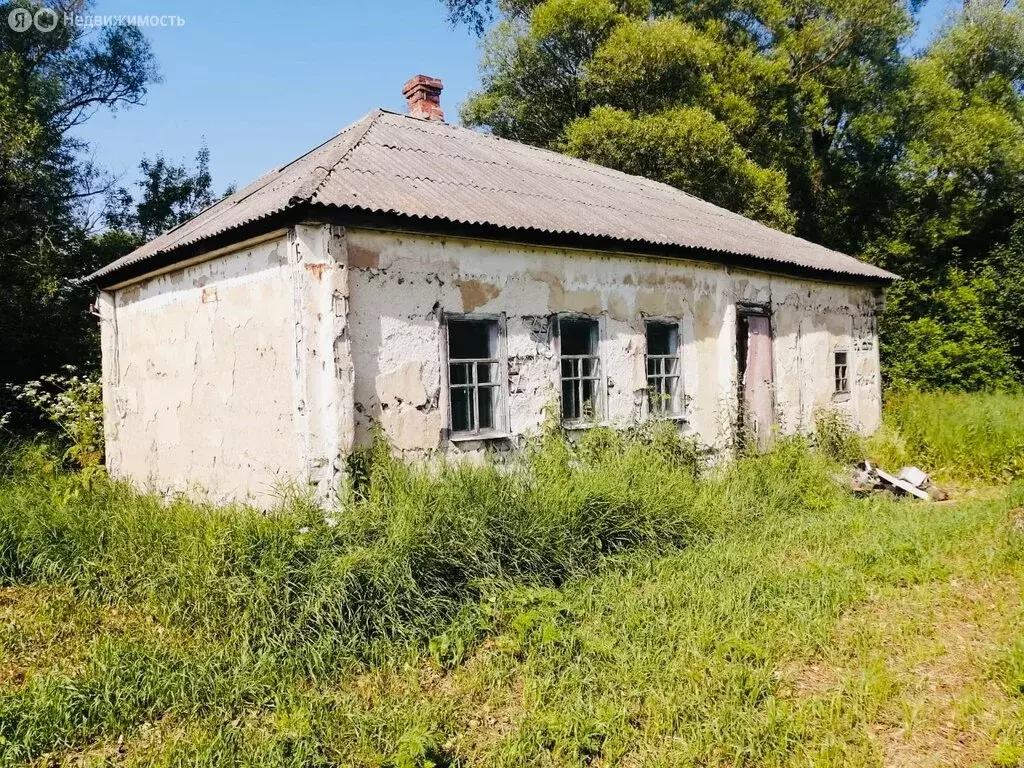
<point x="911" y="481"/>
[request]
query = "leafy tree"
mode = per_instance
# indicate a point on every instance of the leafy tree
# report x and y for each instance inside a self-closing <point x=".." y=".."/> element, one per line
<point x="757" y="99"/>
<point x="934" y="336"/>
<point x="954" y="226"/>
<point x="809" y="115"/>
<point x="687" y="148"/>
<point x="51" y="82"/>
<point x="170" y="195"/>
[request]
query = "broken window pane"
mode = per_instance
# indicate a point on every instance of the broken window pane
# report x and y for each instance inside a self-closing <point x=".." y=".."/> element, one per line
<point x="473" y="376"/>
<point x="581" y="367"/>
<point x="663" y="368"/>
<point x="842" y="378"/>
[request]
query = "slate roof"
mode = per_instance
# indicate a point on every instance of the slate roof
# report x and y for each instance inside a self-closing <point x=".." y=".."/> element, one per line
<point x="429" y="170"/>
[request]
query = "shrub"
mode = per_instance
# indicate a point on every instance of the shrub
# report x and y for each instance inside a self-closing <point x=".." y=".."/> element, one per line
<point x="835" y="436"/>
<point x="946" y="335"/>
<point x="74" y="403"/>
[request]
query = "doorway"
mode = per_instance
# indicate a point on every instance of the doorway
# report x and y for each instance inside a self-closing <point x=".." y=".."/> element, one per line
<point x="756" y="381"/>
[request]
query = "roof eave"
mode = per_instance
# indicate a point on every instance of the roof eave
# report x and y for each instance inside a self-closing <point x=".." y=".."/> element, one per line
<point x="398" y="222"/>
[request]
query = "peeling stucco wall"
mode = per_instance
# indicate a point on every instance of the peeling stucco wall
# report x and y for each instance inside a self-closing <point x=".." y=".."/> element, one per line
<point x="232" y="379"/>
<point x="401" y="285"/>
<point x="263" y="367"/>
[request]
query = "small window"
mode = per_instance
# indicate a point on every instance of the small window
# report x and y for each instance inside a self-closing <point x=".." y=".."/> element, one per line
<point x="663" y="368"/>
<point x="474" y="380"/>
<point x="581" y="368"/>
<point x="842" y="373"/>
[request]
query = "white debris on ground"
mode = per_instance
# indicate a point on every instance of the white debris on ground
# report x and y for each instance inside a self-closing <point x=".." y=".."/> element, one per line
<point x="911" y="481"/>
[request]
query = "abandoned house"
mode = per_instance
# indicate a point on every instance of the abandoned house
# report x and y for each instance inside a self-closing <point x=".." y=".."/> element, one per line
<point x="448" y="285"/>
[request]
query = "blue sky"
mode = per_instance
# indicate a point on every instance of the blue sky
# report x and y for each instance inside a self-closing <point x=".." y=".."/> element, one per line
<point x="263" y="82"/>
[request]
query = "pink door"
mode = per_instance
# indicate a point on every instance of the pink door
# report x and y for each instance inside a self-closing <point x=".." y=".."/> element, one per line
<point x="756" y="379"/>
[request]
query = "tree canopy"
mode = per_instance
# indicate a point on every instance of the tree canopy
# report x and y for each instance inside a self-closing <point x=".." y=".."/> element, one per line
<point x="51" y="82"/>
<point x="50" y="193"/>
<point x="813" y="116"/>
<point x="169" y="194"/>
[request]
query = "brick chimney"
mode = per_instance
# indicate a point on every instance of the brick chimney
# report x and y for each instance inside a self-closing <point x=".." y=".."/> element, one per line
<point x="423" y="95"/>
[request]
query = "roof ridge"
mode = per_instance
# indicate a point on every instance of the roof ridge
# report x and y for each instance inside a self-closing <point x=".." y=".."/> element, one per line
<point x="430" y="170"/>
<point x="663" y="189"/>
<point x="634" y="181"/>
<point x="525" y="193"/>
<point x="273" y="174"/>
<point x="266" y="177"/>
<point x="305" y="194"/>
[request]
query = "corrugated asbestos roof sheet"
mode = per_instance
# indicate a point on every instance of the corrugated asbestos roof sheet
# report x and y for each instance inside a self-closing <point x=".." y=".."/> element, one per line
<point x="391" y="163"/>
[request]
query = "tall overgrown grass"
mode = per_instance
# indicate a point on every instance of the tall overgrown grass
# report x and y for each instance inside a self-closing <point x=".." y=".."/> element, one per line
<point x="396" y="563"/>
<point x="418" y="560"/>
<point x="964" y="438"/>
<point x="220" y="610"/>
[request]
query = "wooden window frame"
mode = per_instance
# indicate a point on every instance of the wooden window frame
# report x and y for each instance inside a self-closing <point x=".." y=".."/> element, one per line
<point x="500" y="430"/>
<point x="600" y="404"/>
<point x="840" y="372"/>
<point x="676" y="407"/>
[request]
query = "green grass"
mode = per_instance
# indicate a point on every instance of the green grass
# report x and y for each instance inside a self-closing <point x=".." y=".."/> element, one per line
<point x="965" y="438"/>
<point x="611" y="603"/>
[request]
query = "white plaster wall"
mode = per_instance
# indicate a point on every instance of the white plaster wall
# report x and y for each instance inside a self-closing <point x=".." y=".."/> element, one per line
<point x="262" y="368"/>
<point x="198" y="377"/>
<point x="401" y="285"/>
<point x="232" y="379"/>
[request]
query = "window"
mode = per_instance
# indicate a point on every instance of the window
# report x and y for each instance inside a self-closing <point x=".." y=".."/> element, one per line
<point x="474" y="377"/>
<point x="663" y="368"/>
<point x="581" y="367"/>
<point x="842" y="373"/>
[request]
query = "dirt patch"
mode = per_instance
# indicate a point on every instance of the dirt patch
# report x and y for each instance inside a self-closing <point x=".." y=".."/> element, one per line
<point x="20" y="646"/>
<point x="803" y="680"/>
<point x="49" y="628"/>
<point x="1017" y="520"/>
<point x="146" y="737"/>
<point x="952" y="707"/>
<point x="491" y="722"/>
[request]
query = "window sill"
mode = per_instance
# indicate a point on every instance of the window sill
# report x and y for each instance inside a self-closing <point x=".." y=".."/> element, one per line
<point x="478" y="437"/>
<point x="678" y="418"/>
<point x="578" y="426"/>
<point x="840" y="397"/>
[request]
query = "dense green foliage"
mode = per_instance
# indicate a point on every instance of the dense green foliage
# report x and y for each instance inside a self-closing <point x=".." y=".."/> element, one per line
<point x="810" y="116"/>
<point x="51" y="195"/>
<point x="72" y="404"/>
<point x="610" y="600"/>
<point x="169" y="194"/>
<point x="50" y="83"/>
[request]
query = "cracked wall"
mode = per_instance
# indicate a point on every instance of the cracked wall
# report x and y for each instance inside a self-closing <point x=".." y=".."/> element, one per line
<point x="264" y="367"/>
<point x="402" y="285"/>
<point x="198" y="379"/>
<point x="231" y="379"/>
